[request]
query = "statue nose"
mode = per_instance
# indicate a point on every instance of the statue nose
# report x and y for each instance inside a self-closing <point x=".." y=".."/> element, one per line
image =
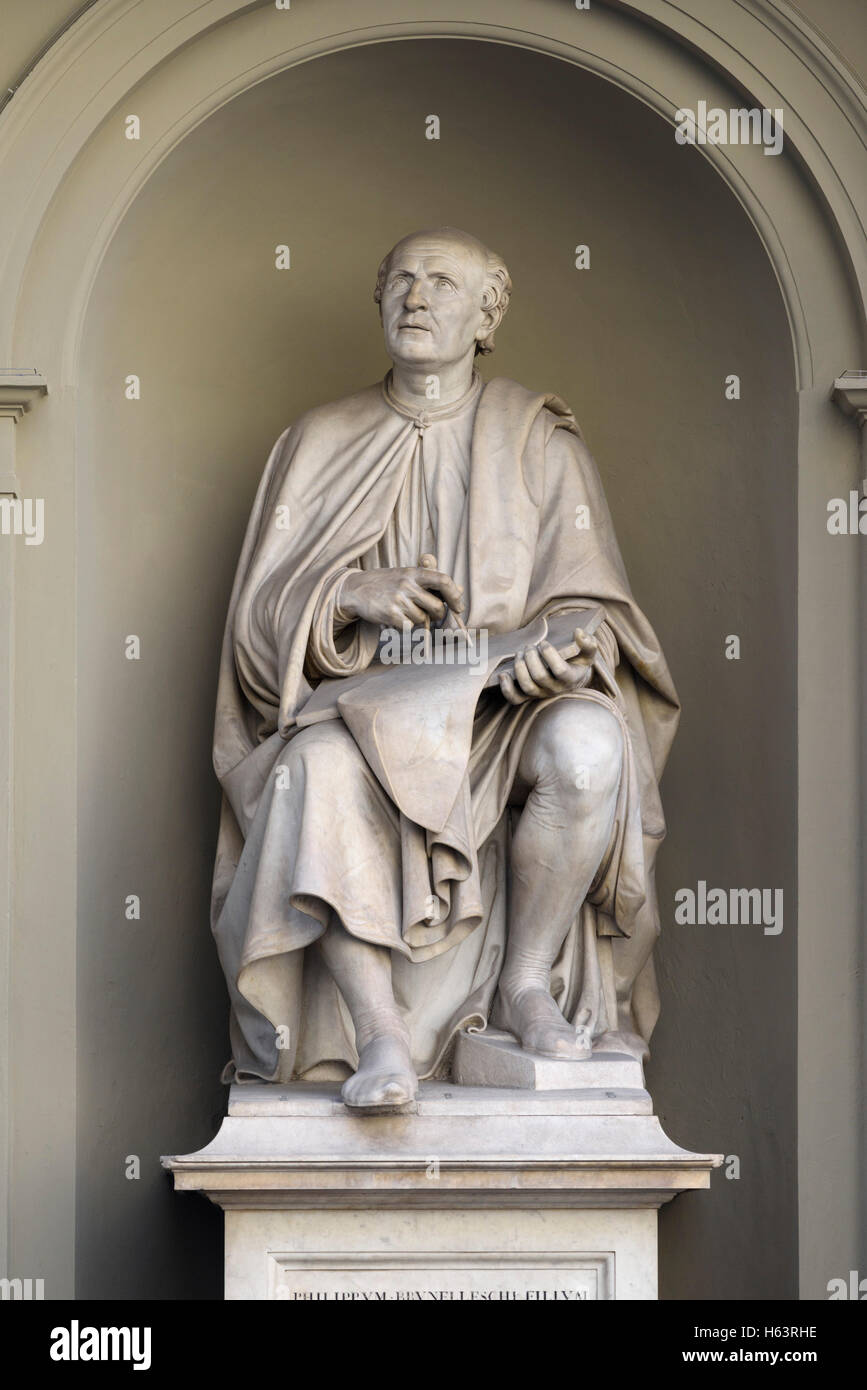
<point x="415" y="299"/>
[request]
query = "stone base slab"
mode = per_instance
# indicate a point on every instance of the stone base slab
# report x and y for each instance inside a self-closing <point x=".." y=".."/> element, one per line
<point x="477" y="1193"/>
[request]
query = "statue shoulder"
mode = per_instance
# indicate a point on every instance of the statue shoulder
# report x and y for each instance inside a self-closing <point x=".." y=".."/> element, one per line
<point x="352" y="413"/>
<point x="299" y="454"/>
<point x="506" y="393"/>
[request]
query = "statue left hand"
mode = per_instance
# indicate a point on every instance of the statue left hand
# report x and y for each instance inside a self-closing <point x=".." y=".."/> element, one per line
<point x="541" y="671"/>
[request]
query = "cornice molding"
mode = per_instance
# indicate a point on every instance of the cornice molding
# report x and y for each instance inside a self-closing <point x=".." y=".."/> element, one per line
<point x="850" y="394"/>
<point x="19" y="388"/>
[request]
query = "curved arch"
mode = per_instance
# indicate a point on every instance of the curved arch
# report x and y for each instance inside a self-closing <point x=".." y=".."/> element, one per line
<point x="651" y="97"/>
<point x="627" y="42"/>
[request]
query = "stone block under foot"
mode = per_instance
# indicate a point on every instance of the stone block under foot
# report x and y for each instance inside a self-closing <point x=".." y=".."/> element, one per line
<point x="496" y="1059"/>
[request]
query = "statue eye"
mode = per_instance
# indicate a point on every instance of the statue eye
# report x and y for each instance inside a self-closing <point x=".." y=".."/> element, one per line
<point x="443" y="284"/>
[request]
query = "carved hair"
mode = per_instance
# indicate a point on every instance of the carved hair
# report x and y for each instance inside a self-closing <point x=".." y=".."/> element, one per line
<point x="497" y="289"/>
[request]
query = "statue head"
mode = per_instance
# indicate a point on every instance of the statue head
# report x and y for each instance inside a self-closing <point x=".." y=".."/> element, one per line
<point x="441" y="294"/>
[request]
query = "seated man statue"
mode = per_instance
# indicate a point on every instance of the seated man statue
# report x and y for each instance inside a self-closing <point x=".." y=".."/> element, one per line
<point x="359" y="934"/>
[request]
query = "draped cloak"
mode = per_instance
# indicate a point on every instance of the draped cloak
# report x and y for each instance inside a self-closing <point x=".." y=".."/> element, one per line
<point x="505" y="493"/>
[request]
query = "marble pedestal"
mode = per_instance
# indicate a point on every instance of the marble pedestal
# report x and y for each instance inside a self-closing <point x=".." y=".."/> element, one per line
<point x="495" y="1192"/>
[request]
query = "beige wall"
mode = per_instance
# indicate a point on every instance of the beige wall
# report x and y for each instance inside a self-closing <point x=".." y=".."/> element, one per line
<point x="330" y="157"/>
<point x="27" y="27"/>
<point x="842" y="23"/>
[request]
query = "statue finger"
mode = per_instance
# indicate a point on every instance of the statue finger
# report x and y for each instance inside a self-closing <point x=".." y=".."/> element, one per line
<point x="540" y="673"/>
<point x="588" y="646"/>
<point x="510" y="690"/>
<point x="423" y="598"/>
<point x="443" y="584"/>
<point x="412" y="613"/>
<point x="525" y="680"/>
<point x="397" y="617"/>
<point x="565" y="674"/>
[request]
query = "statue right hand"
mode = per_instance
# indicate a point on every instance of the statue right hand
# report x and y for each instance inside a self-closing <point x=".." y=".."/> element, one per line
<point x="395" y="597"/>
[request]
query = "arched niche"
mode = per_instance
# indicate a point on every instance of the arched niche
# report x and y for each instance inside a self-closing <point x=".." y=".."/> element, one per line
<point x="73" y="179"/>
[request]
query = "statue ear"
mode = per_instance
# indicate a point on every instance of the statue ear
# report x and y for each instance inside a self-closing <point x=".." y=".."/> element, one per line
<point x="490" y="321"/>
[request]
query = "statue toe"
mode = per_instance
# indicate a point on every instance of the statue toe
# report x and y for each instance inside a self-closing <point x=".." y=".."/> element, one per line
<point x="366" y="1092"/>
<point x="560" y="1044"/>
<point x="385" y="1079"/>
<point x="534" y="1018"/>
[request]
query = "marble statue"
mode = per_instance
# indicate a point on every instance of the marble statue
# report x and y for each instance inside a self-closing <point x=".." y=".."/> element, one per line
<point x="427" y="849"/>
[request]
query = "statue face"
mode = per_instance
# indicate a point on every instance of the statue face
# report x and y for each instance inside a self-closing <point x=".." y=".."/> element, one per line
<point x="432" y="302"/>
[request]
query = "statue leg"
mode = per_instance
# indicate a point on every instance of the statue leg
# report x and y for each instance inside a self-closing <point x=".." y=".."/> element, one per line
<point x="362" y="972"/>
<point x="569" y="773"/>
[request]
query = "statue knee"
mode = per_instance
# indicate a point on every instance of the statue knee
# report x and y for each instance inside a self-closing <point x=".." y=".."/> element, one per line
<point x="327" y="750"/>
<point x="579" y="748"/>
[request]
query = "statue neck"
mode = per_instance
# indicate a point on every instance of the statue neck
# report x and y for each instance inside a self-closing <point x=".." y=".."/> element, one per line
<point x="411" y="385"/>
<point x="431" y="410"/>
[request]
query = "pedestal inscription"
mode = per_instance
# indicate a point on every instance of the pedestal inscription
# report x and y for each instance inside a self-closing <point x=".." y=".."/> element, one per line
<point x="433" y="1276"/>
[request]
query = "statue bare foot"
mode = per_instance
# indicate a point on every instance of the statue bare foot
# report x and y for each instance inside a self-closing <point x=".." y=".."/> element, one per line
<point x="385" y="1079"/>
<point x="529" y="1012"/>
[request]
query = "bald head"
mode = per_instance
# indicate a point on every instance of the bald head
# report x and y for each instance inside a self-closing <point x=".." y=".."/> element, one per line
<point x="424" y="283"/>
